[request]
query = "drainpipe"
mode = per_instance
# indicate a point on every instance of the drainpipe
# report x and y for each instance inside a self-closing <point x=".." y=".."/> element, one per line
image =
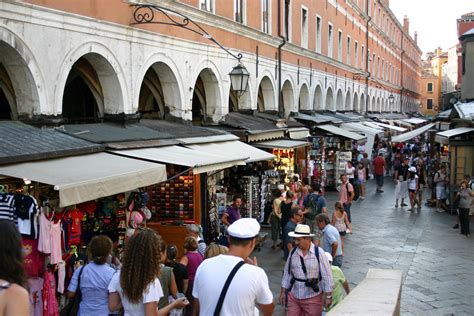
<point x="367" y="98"/>
<point x="281" y="110"/>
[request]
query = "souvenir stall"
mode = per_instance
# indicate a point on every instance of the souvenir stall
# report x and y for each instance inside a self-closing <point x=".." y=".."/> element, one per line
<point x="58" y="209"/>
<point x="332" y="147"/>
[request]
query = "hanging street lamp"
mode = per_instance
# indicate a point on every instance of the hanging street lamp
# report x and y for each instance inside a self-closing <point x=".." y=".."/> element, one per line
<point x="239" y="78"/>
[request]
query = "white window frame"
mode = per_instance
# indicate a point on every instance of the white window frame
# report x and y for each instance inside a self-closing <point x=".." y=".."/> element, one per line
<point x="339" y="45"/>
<point x="208" y="5"/>
<point x="362" y="57"/>
<point x="319" y="33"/>
<point x="348" y="49"/>
<point x="304" y="29"/>
<point x="330" y="39"/>
<point x="269" y="16"/>
<point x="356" y="54"/>
<point x="290" y="19"/>
<point x="243" y="12"/>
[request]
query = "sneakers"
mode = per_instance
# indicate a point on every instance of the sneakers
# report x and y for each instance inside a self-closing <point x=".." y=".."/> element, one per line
<point x="396" y="205"/>
<point x="456" y="226"/>
<point x="411" y="210"/>
<point x="362" y="197"/>
<point x="439" y="210"/>
<point x="403" y="204"/>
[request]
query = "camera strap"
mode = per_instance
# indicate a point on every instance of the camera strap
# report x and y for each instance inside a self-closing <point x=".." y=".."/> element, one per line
<point x="226" y="287"/>
<point x="303" y="266"/>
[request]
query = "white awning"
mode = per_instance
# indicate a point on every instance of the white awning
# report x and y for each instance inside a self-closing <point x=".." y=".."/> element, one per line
<point x="281" y="144"/>
<point x="199" y="160"/>
<point x="207" y="139"/>
<point x="342" y="132"/>
<point x="406" y="124"/>
<point x="443" y="137"/>
<point x="359" y="127"/>
<point x="415" y="121"/>
<point x="265" y="135"/>
<point x="84" y="178"/>
<point x="411" y="134"/>
<point x="395" y="128"/>
<point x="233" y="149"/>
<point x="298" y="132"/>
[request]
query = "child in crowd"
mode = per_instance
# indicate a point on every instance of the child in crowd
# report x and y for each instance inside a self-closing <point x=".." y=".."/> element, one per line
<point x="361" y="178"/>
<point x="341" y="222"/>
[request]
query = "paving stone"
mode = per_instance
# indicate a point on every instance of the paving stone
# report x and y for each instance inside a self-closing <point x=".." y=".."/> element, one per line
<point x="438" y="268"/>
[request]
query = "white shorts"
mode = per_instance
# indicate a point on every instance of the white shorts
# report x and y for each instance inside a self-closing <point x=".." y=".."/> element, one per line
<point x="401" y="190"/>
<point x="440" y="193"/>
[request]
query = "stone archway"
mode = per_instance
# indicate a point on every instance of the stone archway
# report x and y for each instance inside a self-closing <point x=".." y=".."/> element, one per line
<point x="379" y="106"/>
<point x="304" y="102"/>
<point x="347" y="106"/>
<point x="329" y="99"/>
<point x="355" y="103"/>
<point x="18" y="90"/>
<point x="318" y="99"/>
<point x="339" y="101"/>
<point x="362" y="104"/>
<point x="159" y="95"/>
<point x="206" y="97"/>
<point x="373" y="105"/>
<point x="287" y="95"/>
<point x="266" y="95"/>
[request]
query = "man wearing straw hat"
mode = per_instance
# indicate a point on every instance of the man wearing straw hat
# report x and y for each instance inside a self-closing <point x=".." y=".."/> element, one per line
<point x="307" y="276"/>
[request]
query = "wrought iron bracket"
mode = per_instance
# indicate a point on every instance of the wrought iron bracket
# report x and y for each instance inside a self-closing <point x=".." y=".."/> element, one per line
<point x="155" y="14"/>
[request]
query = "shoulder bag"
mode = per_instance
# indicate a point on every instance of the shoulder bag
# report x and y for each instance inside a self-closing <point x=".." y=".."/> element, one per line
<point x="226" y="287"/>
<point x="72" y="306"/>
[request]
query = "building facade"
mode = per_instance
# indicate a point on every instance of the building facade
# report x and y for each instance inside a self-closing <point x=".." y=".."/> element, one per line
<point x="94" y="61"/>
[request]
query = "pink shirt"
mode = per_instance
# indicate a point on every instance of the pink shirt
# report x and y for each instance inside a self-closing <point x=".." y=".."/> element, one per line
<point x="343" y="192"/>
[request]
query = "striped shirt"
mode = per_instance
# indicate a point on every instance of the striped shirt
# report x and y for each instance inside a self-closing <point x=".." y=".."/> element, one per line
<point x="299" y="289"/>
<point x="7" y="208"/>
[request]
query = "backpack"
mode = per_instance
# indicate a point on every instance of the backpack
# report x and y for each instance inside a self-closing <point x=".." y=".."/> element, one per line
<point x="313" y="206"/>
<point x="356" y="188"/>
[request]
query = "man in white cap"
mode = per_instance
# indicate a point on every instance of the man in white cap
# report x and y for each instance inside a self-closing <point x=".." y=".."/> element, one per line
<point x="247" y="290"/>
<point x="307" y="276"/>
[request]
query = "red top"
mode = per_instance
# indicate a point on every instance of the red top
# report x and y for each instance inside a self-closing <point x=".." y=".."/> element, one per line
<point x="379" y="163"/>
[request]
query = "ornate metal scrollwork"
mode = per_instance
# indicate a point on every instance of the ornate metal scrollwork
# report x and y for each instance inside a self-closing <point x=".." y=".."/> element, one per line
<point x="154" y="14"/>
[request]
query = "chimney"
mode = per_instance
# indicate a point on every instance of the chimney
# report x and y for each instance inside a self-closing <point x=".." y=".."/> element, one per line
<point x="406" y="24"/>
<point x="416" y="37"/>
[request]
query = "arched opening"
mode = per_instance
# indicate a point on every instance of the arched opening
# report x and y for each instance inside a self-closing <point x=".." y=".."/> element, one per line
<point x="372" y="105"/>
<point x="362" y="104"/>
<point x="18" y="91"/>
<point x="83" y="96"/>
<point x="348" y="101"/>
<point x="287" y="97"/>
<point x="304" y="103"/>
<point x="329" y="100"/>
<point x="339" y="101"/>
<point x="318" y="99"/>
<point x="159" y="92"/>
<point x="266" y="95"/>
<point x="7" y="96"/>
<point x="239" y="101"/>
<point x="379" y="106"/>
<point x="355" y="103"/>
<point x="206" y="97"/>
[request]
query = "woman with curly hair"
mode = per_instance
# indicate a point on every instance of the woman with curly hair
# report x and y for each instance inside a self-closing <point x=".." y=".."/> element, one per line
<point x="137" y="287"/>
<point x="14" y="300"/>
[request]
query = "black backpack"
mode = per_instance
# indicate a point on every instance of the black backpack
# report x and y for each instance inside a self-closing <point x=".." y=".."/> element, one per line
<point x="356" y="188"/>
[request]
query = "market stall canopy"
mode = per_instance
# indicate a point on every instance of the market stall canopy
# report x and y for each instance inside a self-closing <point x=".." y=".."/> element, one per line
<point x="415" y="121"/>
<point x="411" y="134"/>
<point x="22" y="142"/>
<point x="84" y="178"/>
<point x="199" y="160"/>
<point x="359" y="127"/>
<point x="443" y="137"/>
<point x="298" y="132"/>
<point x="403" y="123"/>
<point x="463" y="111"/>
<point x="388" y="126"/>
<point x="317" y="118"/>
<point x="252" y="127"/>
<point x="282" y="144"/>
<point x="342" y="132"/>
<point x="233" y="148"/>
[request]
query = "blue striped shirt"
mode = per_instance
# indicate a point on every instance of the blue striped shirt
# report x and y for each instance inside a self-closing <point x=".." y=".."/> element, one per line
<point x="300" y="290"/>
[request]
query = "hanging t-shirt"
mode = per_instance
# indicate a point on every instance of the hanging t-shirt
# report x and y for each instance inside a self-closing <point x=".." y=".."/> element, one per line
<point x="33" y="260"/>
<point x="7" y="208"/>
<point x="26" y="209"/>
<point x="76" y="217"/>
<point x="152" y="294"/>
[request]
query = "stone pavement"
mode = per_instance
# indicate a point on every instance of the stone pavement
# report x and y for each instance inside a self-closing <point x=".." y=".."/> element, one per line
<point x="437" y="262"/>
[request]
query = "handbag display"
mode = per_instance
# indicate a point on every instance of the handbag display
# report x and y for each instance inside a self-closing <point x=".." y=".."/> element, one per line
<point x="72" y="306"/>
